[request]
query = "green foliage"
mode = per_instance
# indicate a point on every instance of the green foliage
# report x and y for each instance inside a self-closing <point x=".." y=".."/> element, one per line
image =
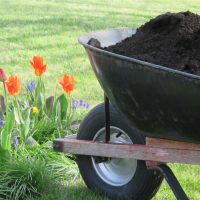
<point x="62" y="111"/>
<point x="45" y="129"/>
<point x="25" y="128"/>
<point x="27" y="115"/>
<point x="60" y="108"/>
<point x="22" y="117"/>
<point x="5" y="139"/>
<point x="33" y="172"/>
<point x="29" y="169"/>
<point x="2" y="107"/>
<point x="49" y="105"/>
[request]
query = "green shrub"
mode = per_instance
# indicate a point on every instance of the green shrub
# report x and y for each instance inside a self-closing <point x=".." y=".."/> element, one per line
<point x="45" y="130"/>
<point x="30" y="173"/>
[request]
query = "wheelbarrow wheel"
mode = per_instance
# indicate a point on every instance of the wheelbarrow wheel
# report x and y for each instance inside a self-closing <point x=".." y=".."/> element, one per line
<point x="122" y="179"/>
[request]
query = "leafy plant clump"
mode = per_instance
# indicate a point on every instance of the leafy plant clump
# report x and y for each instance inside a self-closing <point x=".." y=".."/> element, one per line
<point x="37" y="116"/>
<point x="31" y="173"/>
<point x="28" y="125"/>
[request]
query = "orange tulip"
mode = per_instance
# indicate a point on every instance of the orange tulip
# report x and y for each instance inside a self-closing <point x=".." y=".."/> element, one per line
<point x="67" y="83"/>
<point x="13" y="84"/>
<point x="2" y="75"/>
<point x="38" y="65"/>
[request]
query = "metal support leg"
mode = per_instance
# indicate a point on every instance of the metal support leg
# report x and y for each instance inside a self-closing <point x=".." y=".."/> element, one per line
<point x="99" y="159"/>
<point x="107" y="118"/>
<point x="172" y="181"/>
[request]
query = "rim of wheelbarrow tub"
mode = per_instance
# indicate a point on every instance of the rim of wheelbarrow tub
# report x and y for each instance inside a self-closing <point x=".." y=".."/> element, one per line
<point x="90" y="35"/>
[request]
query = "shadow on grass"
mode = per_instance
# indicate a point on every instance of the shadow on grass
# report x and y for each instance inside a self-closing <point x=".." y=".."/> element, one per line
<point x="82" y="192"/>
<point x="74" y="192"/>
<point x="74" y="20"/>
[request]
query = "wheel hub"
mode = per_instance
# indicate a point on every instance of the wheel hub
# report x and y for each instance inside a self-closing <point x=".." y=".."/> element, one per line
<point x="114" y="171"/>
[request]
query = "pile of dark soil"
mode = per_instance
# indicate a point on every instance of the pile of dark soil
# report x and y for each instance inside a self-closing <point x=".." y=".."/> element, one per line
<point x="171" y="40"/>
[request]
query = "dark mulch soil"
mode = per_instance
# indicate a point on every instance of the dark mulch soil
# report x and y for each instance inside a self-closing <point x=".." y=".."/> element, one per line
<point x="171" y="40"/>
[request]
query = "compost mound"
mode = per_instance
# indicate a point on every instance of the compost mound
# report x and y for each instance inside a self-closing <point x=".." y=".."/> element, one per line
<point x="171" y="40"/>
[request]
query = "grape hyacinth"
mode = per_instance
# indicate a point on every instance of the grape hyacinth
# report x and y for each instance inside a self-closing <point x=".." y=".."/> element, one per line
<point x="86" y="105"/>
<point x="2" y="123"/>
<point x="74" y="104"/>
<point x="16" y="142"/>
<point x="80" y="103"/>
<point x="30" y="86"/>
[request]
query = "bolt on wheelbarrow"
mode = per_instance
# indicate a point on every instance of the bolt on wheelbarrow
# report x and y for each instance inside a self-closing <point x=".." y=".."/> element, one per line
<point x="150" y="117"/>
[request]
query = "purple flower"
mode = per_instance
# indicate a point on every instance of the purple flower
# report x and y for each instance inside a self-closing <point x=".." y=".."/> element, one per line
<point x="74" y="104"/>
<point x="30" y="86"/>
<point x="2" y="123"/>
<point x="86" y="105"/>
<point x="16" y="142"/>
<point x="81" y="102"/>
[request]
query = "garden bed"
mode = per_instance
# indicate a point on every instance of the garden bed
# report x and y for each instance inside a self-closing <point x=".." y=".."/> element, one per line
<point x="29" y="122"/>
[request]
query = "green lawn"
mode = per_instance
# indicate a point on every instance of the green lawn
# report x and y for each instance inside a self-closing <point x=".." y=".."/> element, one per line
<point x="51" y="28"/>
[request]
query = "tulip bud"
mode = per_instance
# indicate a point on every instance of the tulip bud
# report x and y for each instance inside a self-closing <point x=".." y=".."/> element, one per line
<point x="2" y="75"/>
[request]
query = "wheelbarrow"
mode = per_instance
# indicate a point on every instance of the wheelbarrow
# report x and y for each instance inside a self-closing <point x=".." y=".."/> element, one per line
<point x="150" y="117"/>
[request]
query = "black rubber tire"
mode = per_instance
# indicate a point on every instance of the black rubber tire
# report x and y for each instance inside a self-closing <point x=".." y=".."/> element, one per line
<point x="143" y="185"/>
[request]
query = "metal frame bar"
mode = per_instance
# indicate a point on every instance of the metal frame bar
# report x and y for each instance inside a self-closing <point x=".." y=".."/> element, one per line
<point x="107" y="118"/>
<point x="172" y="181"/>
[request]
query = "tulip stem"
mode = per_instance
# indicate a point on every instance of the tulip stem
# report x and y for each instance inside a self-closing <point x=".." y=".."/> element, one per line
<point x="20" y="117"/>
<point x="70" y="109"/>
<point x="18" y="110"/>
